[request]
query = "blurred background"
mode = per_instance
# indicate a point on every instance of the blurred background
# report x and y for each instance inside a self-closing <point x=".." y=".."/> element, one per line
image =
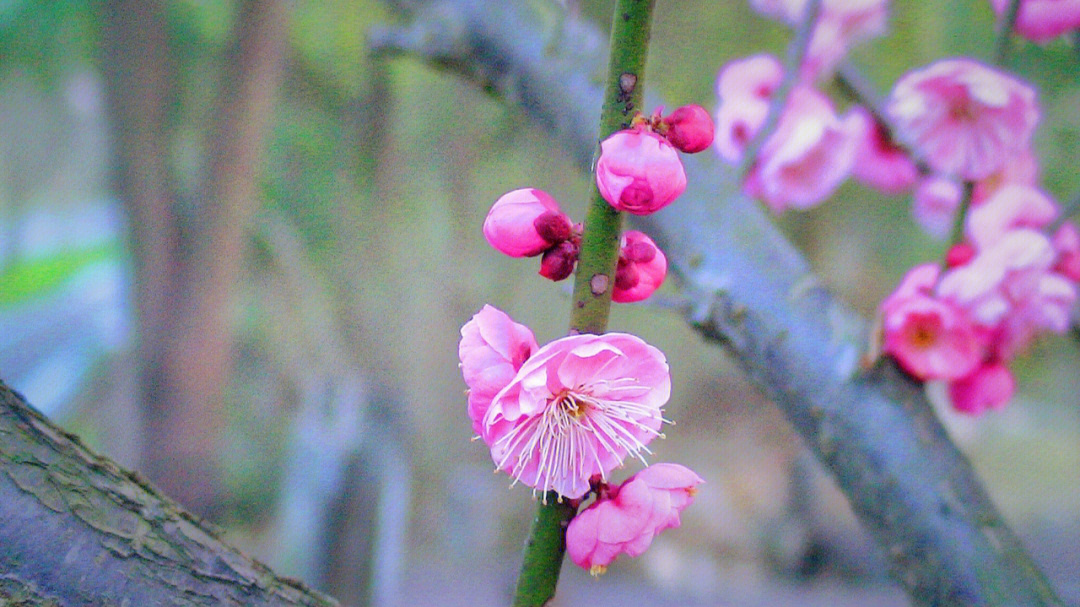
<point x="236" y="250"/>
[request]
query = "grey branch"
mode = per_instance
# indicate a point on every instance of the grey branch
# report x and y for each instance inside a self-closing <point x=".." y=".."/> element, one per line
<point x="75" y="529"/>
<point x="755" y="294"/>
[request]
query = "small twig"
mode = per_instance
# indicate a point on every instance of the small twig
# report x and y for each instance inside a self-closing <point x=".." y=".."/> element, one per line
<point x="796" y="52"/>
<point x="956" y="235"/>
<point x="1003" y="33"/>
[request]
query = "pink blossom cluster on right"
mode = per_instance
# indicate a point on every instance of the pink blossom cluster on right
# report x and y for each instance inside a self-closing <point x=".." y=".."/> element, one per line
<point x="1003" y="286"/>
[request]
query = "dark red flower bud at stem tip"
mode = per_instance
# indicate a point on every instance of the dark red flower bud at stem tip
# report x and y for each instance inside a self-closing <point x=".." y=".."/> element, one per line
<point x="690" y="128"/>
<point x="553" y="226"/>
<point x="558" y="262"/>
<point x="626" y="276"/>
<point x="959" y="254"/>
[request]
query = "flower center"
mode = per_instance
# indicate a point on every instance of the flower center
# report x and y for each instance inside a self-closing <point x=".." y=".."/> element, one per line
<point x="922" y="336"/>
<point x="571" y="404"/>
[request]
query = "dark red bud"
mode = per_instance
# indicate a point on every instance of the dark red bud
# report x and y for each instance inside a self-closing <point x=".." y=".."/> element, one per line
<point x="559" y="261"/>
<point x="959" y="254"/>
<point x="553" y="226"/>
<point x="626" y="276"/>
<point x="690" y="128"/>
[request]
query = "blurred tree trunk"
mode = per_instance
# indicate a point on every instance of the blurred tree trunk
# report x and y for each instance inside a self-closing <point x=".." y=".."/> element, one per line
<point x="185" y="273"/>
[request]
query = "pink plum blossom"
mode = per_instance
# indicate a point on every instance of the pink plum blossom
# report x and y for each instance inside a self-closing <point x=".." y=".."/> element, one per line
<point x="882" y="164"/>
<point x="1011" y="206"/>
<point x="1043" y="20"/>
<point x="525" y="222"/>
<point x="1066" y="243"/>
<point x="930" y="339"/>
<point x="840" y="25"/>
<point x="964" y="118"/>
<point x="1011" y="289"/>
<point x="990" y="386"/>
<point x="806" y="159"/>
<point x="639" y="172"/>
<point x="1022" y="169"/>
<point x="577" y="408"/>
<point x="625" y="519"/>
<point x="755" y="77"/>
<point x="689" y="128"/>
<point x="641" y="268"/>
<point x="492" y="349"/>
<point x="934" y="205"/>
<point x="744" y="87"/>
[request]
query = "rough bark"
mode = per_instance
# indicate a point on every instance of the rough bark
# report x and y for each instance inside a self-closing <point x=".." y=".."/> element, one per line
<point x="77" y="530"/>
<point x="752" y="291"/>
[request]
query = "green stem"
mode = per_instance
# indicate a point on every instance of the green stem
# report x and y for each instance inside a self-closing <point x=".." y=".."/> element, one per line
<point x="956" y="236"/>
<point x="796" y="52"/>
<point x="1003" y="36"/>
<point x="595" y="279"/>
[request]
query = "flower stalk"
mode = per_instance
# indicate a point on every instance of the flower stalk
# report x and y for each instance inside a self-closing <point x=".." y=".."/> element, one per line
<point x="595" y="280"/>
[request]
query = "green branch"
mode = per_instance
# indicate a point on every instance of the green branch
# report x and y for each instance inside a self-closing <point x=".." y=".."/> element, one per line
<point x="1002" y="37"/>
<point x="594" y="282"/>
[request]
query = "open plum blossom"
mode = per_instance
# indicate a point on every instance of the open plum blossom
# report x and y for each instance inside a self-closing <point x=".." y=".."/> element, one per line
<point x="626" y="518"/>
<point x="841" y="24"/>
<point x="882" y="164"/>
<point x="806" y="159"/>
<point x="492" y="349"/>
<point x="931" y="339"/>
<point x="577" y="407"/>
<point x="744" y="87"/>
<point x="963" y="118"/>
<point x="1043" y="20"/>
<point x="639" y="171"/>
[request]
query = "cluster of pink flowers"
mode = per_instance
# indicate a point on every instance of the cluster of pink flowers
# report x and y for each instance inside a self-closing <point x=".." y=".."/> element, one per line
<point x="1003" y="286"/>
<point x="962" y="120"/>
<point x="561" y="417"/>
<point x="639" y="172"/>
<point x="951" y="123"/>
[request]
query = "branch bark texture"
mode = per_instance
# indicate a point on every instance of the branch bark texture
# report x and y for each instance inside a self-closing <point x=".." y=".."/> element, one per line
<point x="77" y="530"/>
<point x="754" y="293"/>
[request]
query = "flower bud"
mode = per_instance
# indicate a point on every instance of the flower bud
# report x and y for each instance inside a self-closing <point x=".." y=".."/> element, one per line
<point x="559" y="261"/>
<point x="511" y="224"/>
<point x="553" y="226"/>
<point x="641" y="268"/>
<point x="690" y="128"/>
<point x="639" y="172"/>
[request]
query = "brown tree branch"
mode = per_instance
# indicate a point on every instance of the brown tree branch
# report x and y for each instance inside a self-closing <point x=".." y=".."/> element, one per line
<point x="185" y="392"/>
<point x="75" y="529"/>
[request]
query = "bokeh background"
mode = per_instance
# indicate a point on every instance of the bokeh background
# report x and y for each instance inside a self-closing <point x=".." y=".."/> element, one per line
<point x="315" y="332"/>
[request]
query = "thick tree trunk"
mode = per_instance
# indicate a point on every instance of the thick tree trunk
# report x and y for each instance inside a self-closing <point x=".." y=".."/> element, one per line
<point x="77" y="530"/>
<point x="185" y="275"/>
<point x="749" y="289"/>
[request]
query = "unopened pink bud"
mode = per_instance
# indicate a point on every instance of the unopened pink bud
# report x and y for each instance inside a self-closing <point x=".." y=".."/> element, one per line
<point x="959" y="254"/>
<point x="639" y="172"/>
<point x="641" y="269"/>
<point x="690" y="128"/>
<point x="559" y="261"/>
<point x="511" y="227"/>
